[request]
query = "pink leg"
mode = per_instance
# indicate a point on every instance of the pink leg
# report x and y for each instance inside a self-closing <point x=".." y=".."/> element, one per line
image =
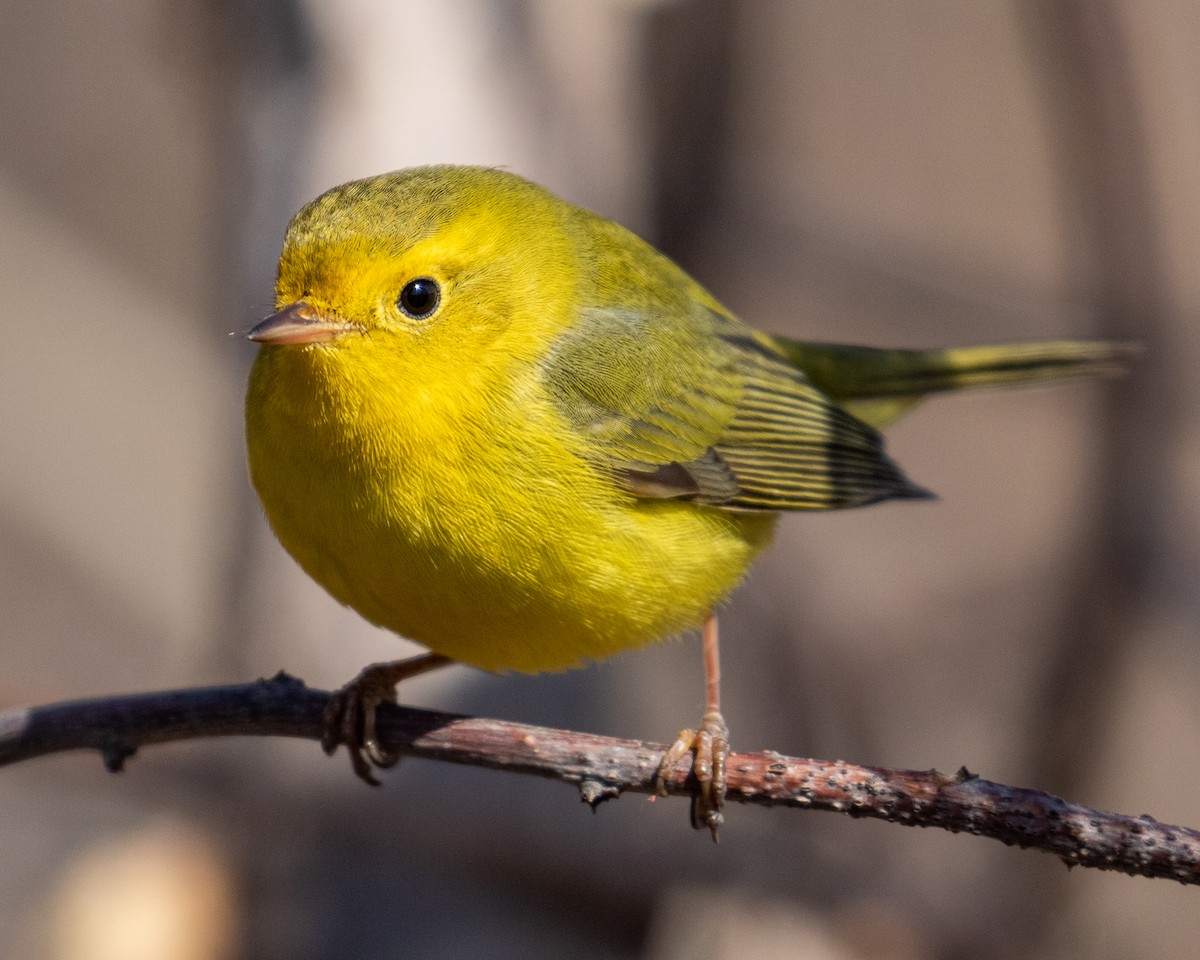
<point x="709" y="744"/>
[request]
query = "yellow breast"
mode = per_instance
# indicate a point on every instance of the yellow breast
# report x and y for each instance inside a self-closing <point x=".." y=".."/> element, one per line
<point x="457" y="509"/>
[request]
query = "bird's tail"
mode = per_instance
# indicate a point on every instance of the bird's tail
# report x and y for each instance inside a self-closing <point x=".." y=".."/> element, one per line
<point x="879" y="385"/>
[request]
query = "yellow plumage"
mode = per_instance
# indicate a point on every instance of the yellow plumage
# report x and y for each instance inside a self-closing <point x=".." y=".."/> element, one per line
<point x="424" y="477"/>
<point x="438" y="475"/>
<point x="471" y="521"/>
<point x="511" y="430"/>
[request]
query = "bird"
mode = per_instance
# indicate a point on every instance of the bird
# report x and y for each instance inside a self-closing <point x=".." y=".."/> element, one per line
<point x="508" y="428"/>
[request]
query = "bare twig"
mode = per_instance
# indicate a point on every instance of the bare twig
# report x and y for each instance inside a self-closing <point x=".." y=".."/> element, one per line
<point x="603" y="767"/>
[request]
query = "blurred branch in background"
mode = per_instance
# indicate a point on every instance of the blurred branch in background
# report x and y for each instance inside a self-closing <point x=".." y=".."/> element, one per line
<point x="267" y="54"/>
<point x="603" y="768"/>
<point x="689" y="52"/>
<point x="1096" y="123"/>
<point x="1094" y="119"/>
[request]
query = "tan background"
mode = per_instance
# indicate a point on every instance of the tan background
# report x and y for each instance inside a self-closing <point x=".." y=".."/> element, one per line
<point x="917" y="173"/>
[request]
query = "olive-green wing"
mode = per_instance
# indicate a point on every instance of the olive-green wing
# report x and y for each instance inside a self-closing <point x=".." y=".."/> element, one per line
<point x="701" y="408"/>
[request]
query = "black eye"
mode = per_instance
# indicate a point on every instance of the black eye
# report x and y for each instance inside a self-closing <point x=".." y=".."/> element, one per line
<point x="419" y="298"/>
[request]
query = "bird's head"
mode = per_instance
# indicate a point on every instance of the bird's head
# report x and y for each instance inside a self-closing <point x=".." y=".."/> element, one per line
<point x="429" y="262"/>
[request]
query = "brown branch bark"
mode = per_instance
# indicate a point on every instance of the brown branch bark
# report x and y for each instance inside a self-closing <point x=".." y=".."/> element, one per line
<point x="604" y="767"/>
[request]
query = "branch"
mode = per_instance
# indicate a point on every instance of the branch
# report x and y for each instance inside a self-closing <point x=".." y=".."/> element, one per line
<point x="604" y="767"/>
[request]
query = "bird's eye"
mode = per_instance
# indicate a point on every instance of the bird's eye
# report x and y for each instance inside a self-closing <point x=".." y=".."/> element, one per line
<point x="419" y="298"/>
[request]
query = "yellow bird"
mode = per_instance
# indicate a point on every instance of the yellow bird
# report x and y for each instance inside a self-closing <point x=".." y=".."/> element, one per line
<point x="511" y="430"/>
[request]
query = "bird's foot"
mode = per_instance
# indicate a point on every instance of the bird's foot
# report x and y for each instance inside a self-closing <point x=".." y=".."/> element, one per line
<point x="710" y="746"/>
<point x="350" y="716"/>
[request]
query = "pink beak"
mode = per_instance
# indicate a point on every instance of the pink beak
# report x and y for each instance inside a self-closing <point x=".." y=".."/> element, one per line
<point x="297" y="323"/>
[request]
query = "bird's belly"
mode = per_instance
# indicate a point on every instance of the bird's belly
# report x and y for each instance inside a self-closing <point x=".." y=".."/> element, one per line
<point x="511" y="565"/>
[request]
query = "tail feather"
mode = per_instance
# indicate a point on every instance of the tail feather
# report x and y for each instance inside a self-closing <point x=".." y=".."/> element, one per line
<point x="879" y="385"/>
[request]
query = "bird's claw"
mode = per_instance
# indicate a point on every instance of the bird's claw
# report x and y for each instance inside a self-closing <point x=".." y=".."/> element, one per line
<point x="710" y="745"/>
<point x="350" y="719"/>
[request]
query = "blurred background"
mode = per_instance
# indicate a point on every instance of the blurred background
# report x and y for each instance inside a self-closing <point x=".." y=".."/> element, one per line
<point x="907" y="174"/>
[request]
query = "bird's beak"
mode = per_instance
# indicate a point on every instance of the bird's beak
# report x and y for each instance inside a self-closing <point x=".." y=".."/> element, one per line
<point x="297" y="323"/>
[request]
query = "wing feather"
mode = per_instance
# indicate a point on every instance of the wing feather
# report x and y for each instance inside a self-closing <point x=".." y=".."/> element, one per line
<point x="699" y="408"/>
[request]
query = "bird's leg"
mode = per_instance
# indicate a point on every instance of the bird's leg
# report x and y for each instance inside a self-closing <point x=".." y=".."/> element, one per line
<point x="350" y="715"/>
<point x="709" y="743"/>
